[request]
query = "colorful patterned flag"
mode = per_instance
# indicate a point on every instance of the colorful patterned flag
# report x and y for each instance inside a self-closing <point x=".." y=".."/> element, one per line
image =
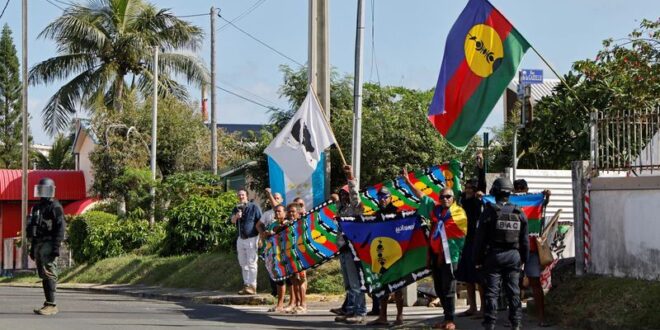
<point x="305" y="244"/>
<point x="284" y="258"/>
<point x="481" y="57"/>
<point x="449" y="230"/>
<point x="390" y="251"/>
<point x="532" y="206"/>
<point x="431" y="181"/>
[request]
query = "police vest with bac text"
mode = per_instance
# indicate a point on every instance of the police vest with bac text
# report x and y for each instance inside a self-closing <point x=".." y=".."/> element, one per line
<point x="507" y="226"/>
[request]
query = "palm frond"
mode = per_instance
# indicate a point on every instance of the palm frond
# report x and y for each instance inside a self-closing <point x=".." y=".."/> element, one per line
<point x="189" y="66"/>
<point x="79" y="29"/>
<point x="57" y="112"/>
<point x="60" y="67"/>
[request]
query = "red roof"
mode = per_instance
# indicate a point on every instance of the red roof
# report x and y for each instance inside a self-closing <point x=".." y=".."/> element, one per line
<point x="80" y="207"/>
<point x="69" y="185"/>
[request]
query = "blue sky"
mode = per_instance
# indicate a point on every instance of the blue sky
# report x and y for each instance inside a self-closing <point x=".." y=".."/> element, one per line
<point x="409" y="42"/>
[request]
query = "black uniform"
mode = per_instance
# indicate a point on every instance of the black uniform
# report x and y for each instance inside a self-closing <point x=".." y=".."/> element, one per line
<point x="46" y="232"/>
<point x="501" y="247"/>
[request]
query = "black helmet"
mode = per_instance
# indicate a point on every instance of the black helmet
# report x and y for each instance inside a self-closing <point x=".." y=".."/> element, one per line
<point x="45" y="188"/>
<point x="501" y="187"/>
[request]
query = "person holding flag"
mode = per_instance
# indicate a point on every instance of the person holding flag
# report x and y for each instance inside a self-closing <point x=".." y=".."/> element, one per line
<point x="442" y="264"/>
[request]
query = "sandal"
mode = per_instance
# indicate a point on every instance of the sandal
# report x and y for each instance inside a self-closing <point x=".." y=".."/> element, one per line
<point x="275" y="309"/>
<point x="398" y="322"/>
<point x="379" y="322"/>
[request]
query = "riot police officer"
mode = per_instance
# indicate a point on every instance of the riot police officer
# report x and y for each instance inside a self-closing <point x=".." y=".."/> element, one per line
<point x="46" y="231"/>
<point x="501" y="248"/>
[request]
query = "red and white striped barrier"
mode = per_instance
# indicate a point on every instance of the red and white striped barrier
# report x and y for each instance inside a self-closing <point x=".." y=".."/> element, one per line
<point x="587" y="227"/>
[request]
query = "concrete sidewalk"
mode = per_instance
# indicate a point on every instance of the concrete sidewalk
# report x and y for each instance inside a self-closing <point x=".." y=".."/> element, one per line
<point x="161" y="293"/>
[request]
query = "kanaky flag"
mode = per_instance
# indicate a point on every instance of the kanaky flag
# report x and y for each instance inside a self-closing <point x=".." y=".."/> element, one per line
<point x="481" y="57"/>
<point x="298" y="147"/>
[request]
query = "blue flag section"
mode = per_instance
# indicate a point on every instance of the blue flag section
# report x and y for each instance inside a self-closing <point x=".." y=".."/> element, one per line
<point x="390" y="251"/>
<point x="311" y="191"/>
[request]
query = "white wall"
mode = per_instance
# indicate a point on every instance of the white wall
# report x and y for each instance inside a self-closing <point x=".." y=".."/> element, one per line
<point x="85" y="165"/>
<point x="625" y="227"/>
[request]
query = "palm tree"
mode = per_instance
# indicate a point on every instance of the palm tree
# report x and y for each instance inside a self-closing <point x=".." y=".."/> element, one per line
<point x="59" y="157"/>
<point x="107" y="43"/>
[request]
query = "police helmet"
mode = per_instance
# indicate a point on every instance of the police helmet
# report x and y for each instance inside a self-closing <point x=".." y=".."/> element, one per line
<point x="45" y="188"/>
<point x="501" y="187"/>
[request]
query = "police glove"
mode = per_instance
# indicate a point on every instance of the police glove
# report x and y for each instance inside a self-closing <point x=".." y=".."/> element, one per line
<point x="56" y="251"/>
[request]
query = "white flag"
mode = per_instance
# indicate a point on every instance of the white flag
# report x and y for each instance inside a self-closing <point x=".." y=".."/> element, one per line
<point x="298" y="147"/>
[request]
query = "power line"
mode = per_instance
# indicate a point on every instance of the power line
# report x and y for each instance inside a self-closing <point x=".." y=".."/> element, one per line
<point x="5" y="8"/>
<point x="251" y="94"/>
<point x="56" y="5"/>
<point x="246" y="98"/>
<point x="243" y="14"/>
<point x="261" y="42"/>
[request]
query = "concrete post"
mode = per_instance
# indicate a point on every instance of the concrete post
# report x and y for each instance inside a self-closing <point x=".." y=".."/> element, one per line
<point x="410" y="294"/>
<point x="580" y="171"/>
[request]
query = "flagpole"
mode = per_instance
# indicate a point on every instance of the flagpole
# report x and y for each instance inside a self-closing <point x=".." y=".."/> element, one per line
<point x="357" y="95"/>
<point x="327" y="122"/>
<point x="560" y="78"/>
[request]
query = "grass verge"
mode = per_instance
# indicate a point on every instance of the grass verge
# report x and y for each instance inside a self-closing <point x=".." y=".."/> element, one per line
<point x="208" y="271"/>
<point x="599" y="302"/>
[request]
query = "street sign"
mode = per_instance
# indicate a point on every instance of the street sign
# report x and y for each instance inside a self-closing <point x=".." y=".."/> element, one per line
<point x="531" y="76"/>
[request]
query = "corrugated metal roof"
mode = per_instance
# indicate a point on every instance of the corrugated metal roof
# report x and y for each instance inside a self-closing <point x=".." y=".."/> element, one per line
<point x="559" y="182"/>
<point x="70" y="185"/>
<point x="538" y="90"/>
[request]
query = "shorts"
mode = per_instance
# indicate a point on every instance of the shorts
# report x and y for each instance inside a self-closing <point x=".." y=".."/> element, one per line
<point x="533" y="265"/>
<point x="280" y="283"/>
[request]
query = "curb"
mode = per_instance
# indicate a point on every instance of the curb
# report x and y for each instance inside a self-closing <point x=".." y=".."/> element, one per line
<point x="159" y="293"/>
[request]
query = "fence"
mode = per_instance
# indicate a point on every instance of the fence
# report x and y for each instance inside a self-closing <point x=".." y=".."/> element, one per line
<point x="627" y="141"/>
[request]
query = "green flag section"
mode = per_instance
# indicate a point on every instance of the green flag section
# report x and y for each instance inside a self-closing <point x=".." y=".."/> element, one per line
<point x="389" y="250"/>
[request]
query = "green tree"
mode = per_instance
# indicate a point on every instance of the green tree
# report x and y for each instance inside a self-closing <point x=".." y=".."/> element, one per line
<point x="60" y="155"/>
<point x="624" y="77"/>
<point x="106" y="43"/>
<point x="10" y="103"/>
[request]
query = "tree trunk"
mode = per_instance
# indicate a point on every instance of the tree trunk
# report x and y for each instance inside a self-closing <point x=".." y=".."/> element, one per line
<point x="119" y="93"/>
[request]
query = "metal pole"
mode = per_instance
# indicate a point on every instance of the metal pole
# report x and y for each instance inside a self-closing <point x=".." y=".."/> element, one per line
<point x="357" y="96"/>
<point x="214" y="126"/>
<point x="154" y="138"/>
<point x="26" y="133"/>
<point x="486" y="145"/>
<point x="515" y="153"/>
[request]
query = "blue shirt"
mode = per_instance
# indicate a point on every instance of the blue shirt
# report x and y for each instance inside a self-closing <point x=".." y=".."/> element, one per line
<point x="246" y="225"/>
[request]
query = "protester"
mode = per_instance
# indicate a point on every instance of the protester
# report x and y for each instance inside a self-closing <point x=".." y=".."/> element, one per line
<point x="301" y="204"/>
<point x="533" y="265"/>
<point x="354" y="309"/>
<point x="387" y="207"/>
<point x="472" y="204"/>
<point x="441" y="263"/>
<point x="265" y="221"/>
<point x="297" y="280"/>
<point x="501" y="248"/>
<point x="245" y="216"/>
<point x="272" y="228"/>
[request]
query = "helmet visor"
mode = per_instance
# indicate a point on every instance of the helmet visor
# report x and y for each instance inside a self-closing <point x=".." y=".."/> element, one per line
<point x="44" y="191"/>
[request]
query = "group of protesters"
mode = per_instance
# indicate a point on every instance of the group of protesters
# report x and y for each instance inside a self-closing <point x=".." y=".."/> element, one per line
<point x="253" y="226"/>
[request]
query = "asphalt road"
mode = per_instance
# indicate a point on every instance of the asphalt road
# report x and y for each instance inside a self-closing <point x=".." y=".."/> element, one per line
<point x="84" y="310"/>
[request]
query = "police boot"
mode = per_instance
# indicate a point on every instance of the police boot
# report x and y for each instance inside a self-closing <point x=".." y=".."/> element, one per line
<point x="516" y="326"/>
<point x="47" y="309"/>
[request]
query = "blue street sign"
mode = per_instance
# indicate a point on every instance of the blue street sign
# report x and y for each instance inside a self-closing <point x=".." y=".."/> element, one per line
<point x="531" y="76"/>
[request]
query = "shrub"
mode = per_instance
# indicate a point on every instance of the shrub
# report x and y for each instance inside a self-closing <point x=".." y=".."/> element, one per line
<point x="199" y="224"/>
<point x="97" y="235"/>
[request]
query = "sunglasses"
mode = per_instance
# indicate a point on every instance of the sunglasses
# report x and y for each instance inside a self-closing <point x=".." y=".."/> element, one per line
<point x="446" y="196"/>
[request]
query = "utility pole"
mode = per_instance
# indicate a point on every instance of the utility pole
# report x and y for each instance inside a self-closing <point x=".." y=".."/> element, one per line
<point x="26" y="133"/>
<point x="357" y="94"/>
<point x="318" y="65"/>
<point x="154" y="139"/>
<point x="214" y="126"/>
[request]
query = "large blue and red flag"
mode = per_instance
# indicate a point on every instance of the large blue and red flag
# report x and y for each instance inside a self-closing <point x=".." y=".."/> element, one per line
<point x="390" y="251"/>
<point x="481" y="57"/>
